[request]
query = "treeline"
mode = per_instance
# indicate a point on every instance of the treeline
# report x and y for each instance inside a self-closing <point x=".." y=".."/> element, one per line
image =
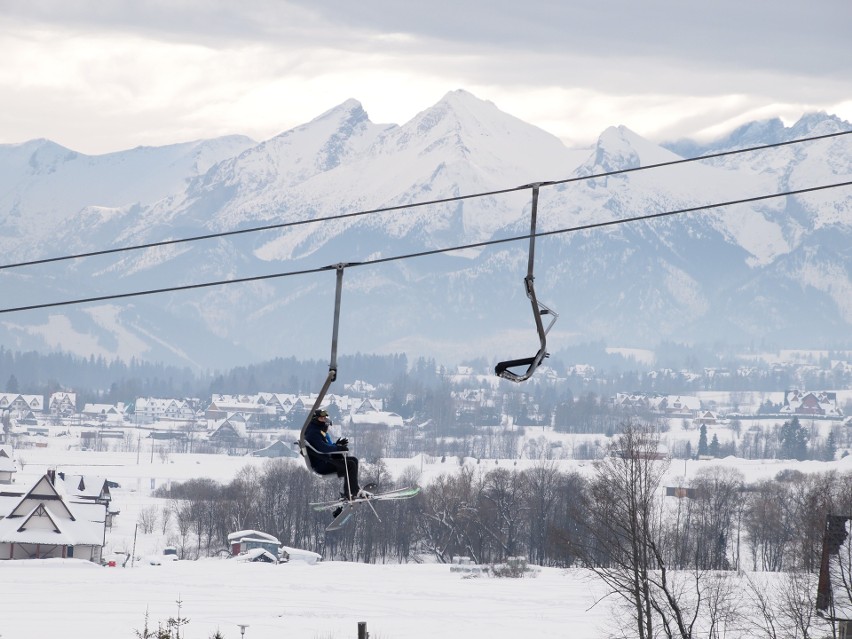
<point x="553" y="518"/>
<point x="96" y="379"/>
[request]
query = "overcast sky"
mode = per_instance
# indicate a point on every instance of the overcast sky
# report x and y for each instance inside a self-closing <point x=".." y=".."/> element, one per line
<point x="107" y="75"/>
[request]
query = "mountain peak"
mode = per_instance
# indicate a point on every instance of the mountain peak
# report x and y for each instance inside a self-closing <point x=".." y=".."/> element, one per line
<point x="760" y="132"/>
<point x="346" y="110"/>
<point x="619" y="148"/>
<point x="817" y="123"/>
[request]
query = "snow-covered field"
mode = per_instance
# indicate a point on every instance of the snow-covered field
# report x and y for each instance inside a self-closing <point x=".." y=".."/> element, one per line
<point x="76" y="599"/>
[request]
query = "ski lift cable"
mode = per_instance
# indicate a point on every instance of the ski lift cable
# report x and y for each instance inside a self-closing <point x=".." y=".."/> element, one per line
<point x="393" y="258"/>
<point x="387" y="209"/>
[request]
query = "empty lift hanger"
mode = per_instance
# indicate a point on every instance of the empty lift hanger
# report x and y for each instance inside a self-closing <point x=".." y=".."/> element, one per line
<point x="332" y="367"/>
<point x="525" y="367"/>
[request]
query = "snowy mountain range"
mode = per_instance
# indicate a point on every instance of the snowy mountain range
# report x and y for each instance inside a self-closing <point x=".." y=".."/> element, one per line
<point x="775" y="271"/>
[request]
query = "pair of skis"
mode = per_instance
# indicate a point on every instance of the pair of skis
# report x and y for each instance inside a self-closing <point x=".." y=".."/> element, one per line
<point x="349" y="506"/>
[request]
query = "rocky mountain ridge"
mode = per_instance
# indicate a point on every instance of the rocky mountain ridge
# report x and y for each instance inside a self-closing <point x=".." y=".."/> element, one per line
<point x="776" y="271"/>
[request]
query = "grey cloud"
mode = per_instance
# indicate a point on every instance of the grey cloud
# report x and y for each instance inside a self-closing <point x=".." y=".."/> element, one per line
<point x="784" y="36"/>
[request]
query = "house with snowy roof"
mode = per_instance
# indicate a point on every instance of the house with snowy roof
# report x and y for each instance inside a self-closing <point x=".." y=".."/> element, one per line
<point x="820" y="403"/>
<point x="88" y="489"/>
<point x="706" y="417"/>
<point x="43" y="523"/>
<point x="230" y="430"/>
<point x="224" y="405"/>
<point x="151" y="409"/>
<point x="276" y="449"/>
<point x="103" y="413"/>
<point x="8" y="466"/>
<point x="243" y="541"/>
<point x="376" y="418"/>
<point x="62" y="403"/>
<point x="19" y="405"/>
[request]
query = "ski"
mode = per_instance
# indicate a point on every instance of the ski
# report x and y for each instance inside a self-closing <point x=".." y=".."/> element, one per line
<point x="342" y="518"/>
<point x="399" y="493"/>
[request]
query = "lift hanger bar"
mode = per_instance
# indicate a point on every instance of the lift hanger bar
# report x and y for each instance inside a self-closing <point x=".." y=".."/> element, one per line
<point x="504" y="369"/>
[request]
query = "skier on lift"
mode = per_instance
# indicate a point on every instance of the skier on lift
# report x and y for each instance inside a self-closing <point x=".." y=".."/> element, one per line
<point x="327" y="457"/>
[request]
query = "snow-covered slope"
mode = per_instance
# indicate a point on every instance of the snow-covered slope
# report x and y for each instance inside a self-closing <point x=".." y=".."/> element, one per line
<point x="775" y="269"/>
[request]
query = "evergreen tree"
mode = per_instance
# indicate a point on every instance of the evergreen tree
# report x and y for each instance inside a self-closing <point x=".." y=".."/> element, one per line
<point x="714" y="446"/>
<point x="830" y="447"/>
<point x="702" y="441"/>
<point x="794" y="440"/>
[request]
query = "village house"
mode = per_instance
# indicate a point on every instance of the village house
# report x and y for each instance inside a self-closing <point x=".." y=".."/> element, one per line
<point x="276" y="449"/>
<point x="229" y="431"/>
<point x="110" y="413"/>
<point x="8" y="467"/>
<point x="43" y="523"/>
<point x="822" y="403"/>
<point x="88" y="489"/>
<point x="706" y="418"/>
<point x="222" y="406"/>
<point x="21" y="405"/>
<point x="148" y="410"/>
<point x="62" y="403"/>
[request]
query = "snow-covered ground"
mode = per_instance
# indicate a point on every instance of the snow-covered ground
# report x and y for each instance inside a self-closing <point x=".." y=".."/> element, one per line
<point x="76" y="599"/>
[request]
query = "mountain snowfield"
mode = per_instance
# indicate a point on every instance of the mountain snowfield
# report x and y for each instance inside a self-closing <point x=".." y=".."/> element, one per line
<point x="775" y="271"/>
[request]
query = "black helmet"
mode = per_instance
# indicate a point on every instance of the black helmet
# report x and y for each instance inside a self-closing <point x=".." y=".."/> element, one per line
<point x="319" y="412"/>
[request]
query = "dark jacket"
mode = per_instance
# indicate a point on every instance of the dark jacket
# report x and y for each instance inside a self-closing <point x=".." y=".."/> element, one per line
<point x="322" y="442"/>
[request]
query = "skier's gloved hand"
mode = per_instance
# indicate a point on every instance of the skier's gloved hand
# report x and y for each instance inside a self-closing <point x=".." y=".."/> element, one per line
<point x="342" y="442"/>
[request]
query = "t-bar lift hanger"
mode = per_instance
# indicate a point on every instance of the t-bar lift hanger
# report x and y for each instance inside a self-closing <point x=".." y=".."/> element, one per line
<point x="504" y="369"/>
<point x="332" y="367"/>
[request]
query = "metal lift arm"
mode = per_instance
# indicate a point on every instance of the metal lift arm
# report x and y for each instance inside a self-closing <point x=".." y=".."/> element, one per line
<point x="528" y="365"/>
<point x="332" y="367"/>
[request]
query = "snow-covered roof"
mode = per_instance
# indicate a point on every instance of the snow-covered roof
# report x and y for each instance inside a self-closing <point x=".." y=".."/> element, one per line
<point x="251" y="534"/>
<point x="43" y="516"/>
<point x="298" y="554"/>
<point x="86" y="486"/>
<point x="377" y="417"/>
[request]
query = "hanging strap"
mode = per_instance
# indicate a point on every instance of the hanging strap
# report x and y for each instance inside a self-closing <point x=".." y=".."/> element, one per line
<point x="332" y="367"/>
<point x="526" y="366"/>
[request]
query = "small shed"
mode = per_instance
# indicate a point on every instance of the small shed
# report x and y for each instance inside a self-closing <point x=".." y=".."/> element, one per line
<point x="244" y="540"/>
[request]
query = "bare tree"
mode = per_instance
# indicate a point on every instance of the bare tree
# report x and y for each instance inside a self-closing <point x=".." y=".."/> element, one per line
<point x="165" y="519"/>
<point x="147" y="519"/>
<point x="766" y="523"/>
<point x="785" y="607"/>
<point x="447" y="517"/>
<point x="619" y="541"/>
<point x="718" y="499"/>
